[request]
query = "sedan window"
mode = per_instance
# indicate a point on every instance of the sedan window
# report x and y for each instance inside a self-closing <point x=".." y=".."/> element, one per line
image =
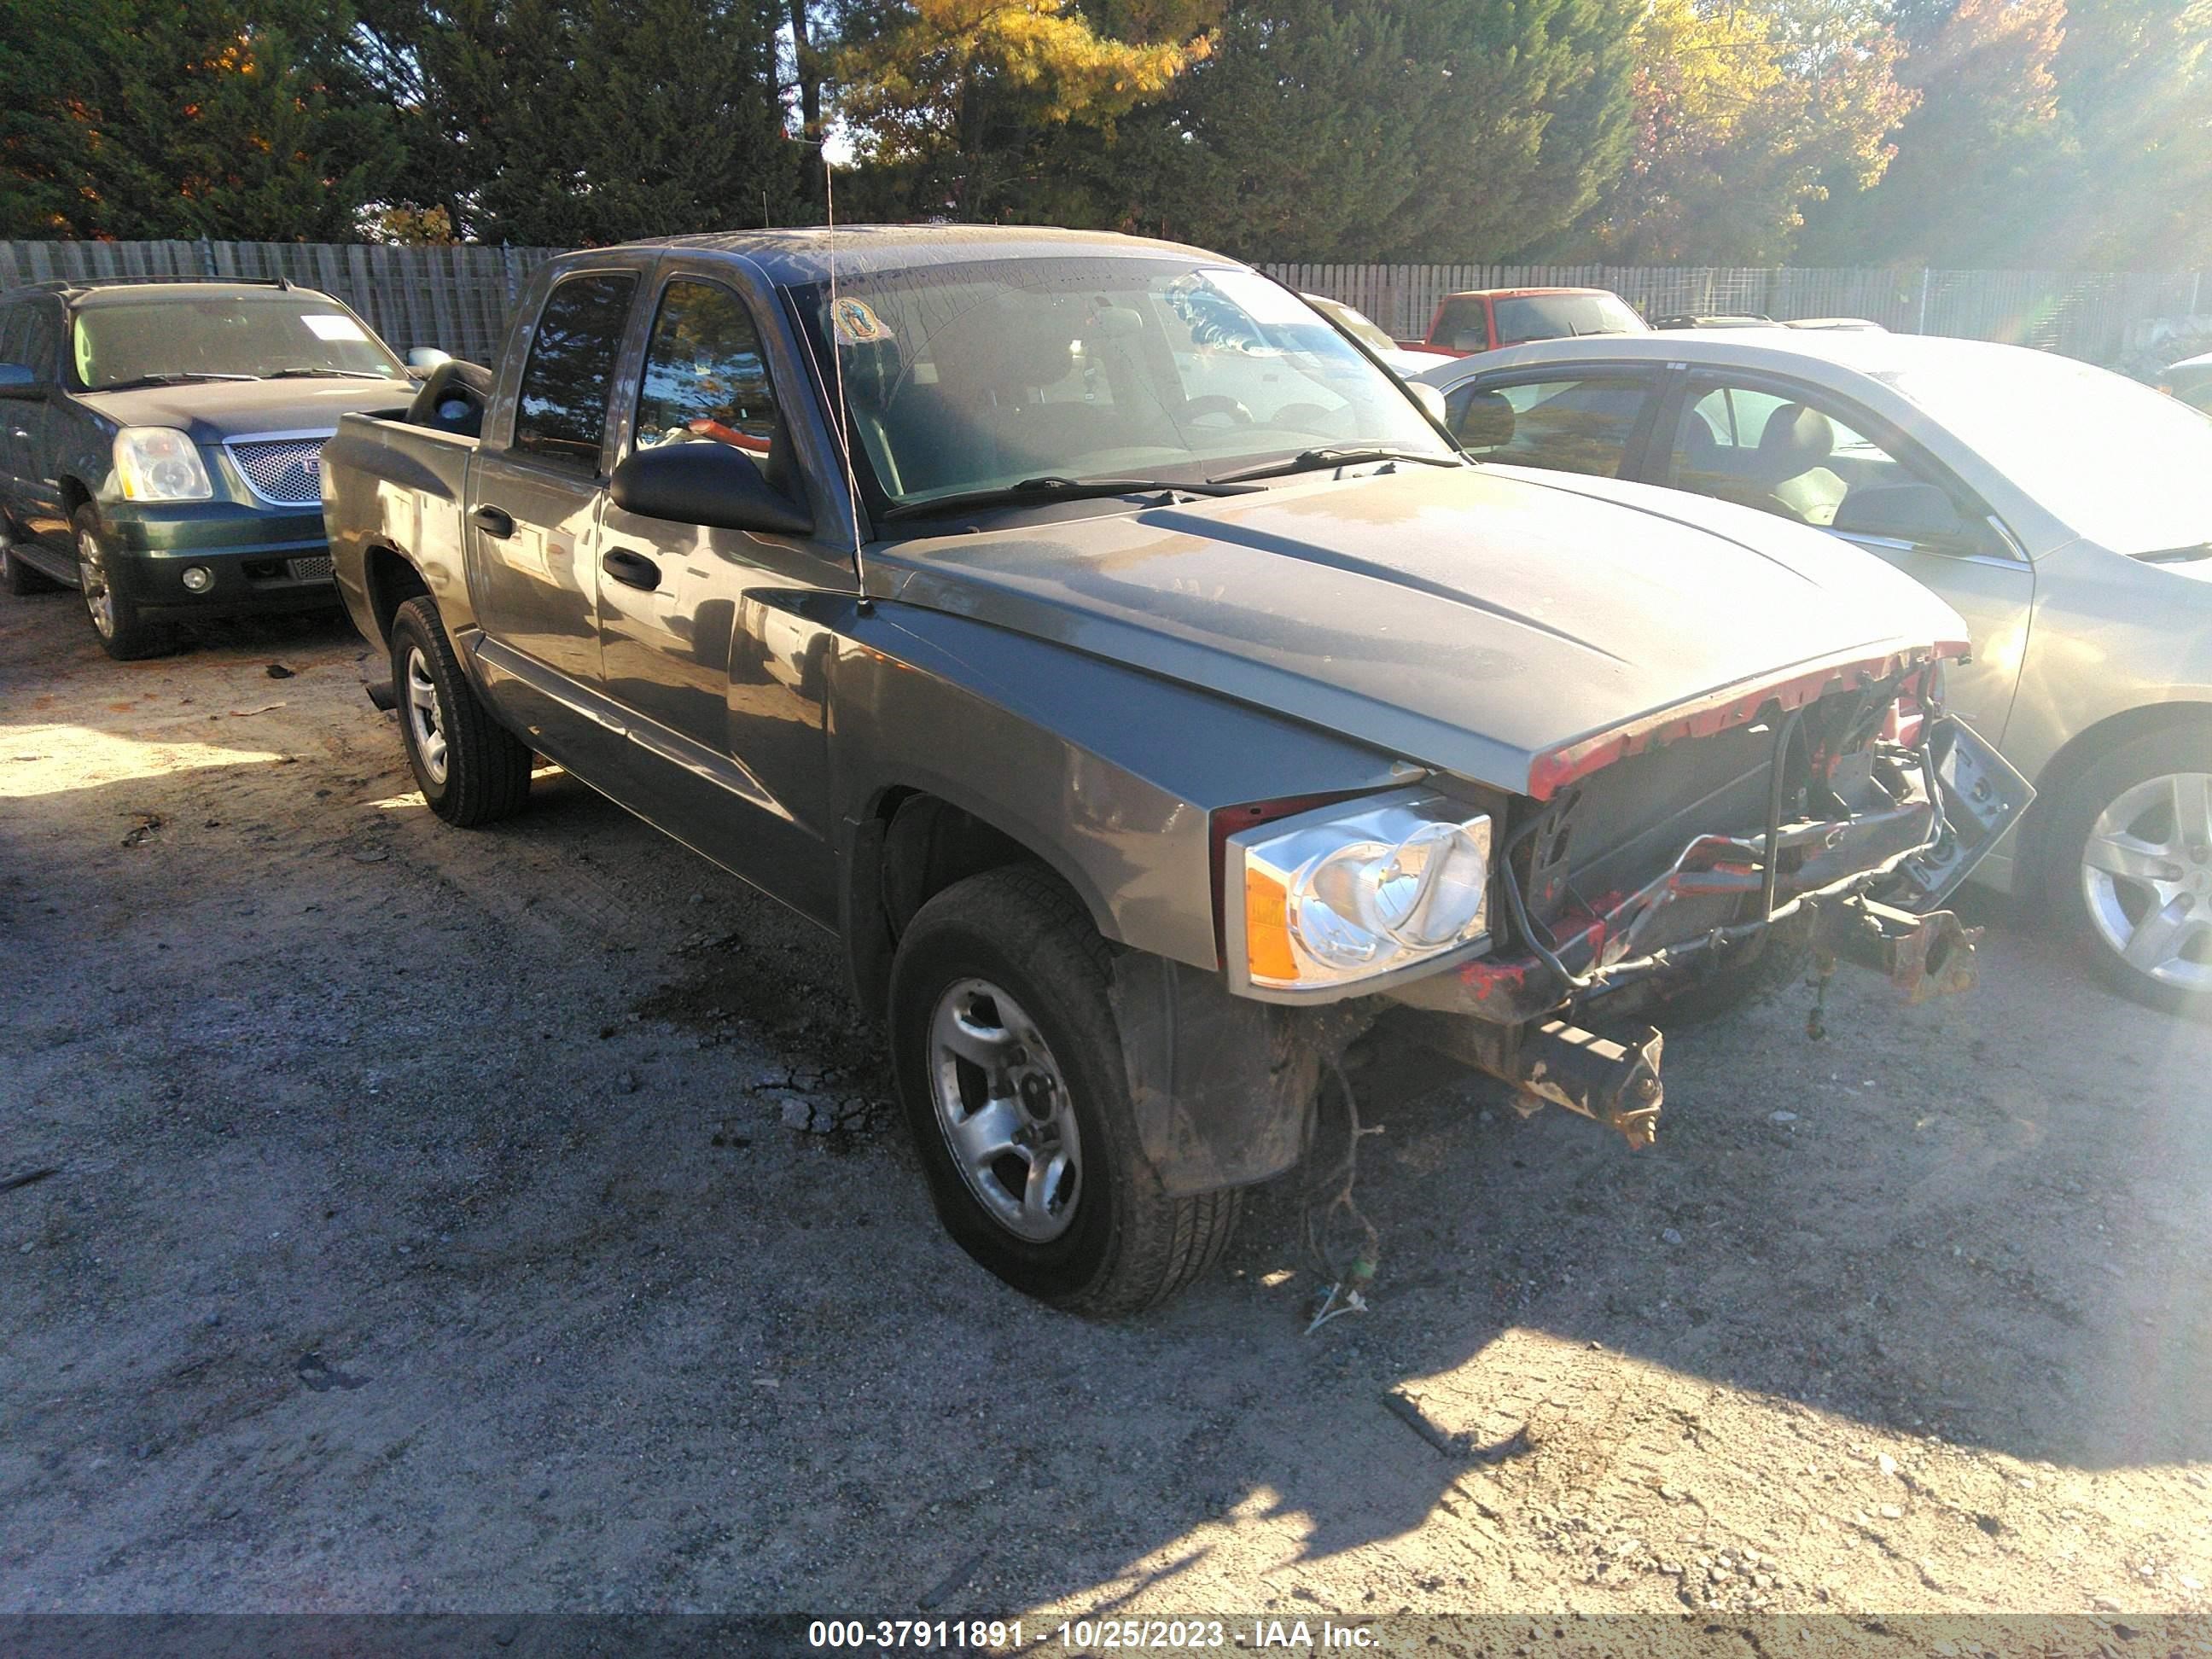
<point x="1781" y="455"/>
<point x="1581" y="425"/>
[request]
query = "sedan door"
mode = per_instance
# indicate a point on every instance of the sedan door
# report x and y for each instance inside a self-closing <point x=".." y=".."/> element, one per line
<point x="1812" y="457"/>
<point x="715" y="644"/>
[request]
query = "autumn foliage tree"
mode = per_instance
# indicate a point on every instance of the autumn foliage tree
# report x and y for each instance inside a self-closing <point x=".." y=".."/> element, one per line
<point x="1745" y="113"/>
<point x="956" y="98"/>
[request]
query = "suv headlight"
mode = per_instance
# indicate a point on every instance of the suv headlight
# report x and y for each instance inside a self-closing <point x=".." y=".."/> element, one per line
<point x="160" y="464"/>
<point x="1334" y="899"/>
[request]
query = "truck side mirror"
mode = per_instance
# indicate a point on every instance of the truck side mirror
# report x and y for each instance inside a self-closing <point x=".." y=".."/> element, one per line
<point x="708" y="483"/>
<point x="17" y="381"/>
<point x="427" y="358"/>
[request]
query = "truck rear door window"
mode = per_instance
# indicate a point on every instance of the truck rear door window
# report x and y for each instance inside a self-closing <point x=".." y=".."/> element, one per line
<point x="563" y="417"/>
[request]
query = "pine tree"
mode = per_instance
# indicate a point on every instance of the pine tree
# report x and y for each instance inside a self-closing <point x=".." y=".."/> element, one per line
<point x="186" y="118"/>
<point x="1424" y="130"/>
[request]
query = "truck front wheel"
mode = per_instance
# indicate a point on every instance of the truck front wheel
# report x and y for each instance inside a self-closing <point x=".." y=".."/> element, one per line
<point x="1010" y="1069"/>
<point x="470" y="768"/>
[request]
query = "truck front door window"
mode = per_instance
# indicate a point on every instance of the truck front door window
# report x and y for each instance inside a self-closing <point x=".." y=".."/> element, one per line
<point x="705" y="377"/>
<point x="563" y="417"/>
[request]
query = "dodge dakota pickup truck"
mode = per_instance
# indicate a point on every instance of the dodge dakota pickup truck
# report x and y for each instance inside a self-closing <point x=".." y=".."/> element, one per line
<point x="1151" y="698"/>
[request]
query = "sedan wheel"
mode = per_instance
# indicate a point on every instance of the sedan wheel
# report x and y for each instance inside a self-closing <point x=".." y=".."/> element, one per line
<point x="1003" y="1106"/>
<point x="2147" y="878"/>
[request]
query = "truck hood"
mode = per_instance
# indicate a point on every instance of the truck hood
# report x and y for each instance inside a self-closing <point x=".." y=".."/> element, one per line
<point x="214" y="411"/>
<point x="1486" y="621"/>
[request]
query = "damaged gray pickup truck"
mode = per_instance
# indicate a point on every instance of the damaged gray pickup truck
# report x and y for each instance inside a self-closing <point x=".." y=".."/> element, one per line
<point x="1136" y="680"/>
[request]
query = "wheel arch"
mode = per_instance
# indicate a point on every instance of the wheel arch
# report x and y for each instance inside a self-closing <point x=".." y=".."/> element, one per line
<point x="909" y="844"/>
<point x="2081" y="752"/>
<point x="390" y="579"/>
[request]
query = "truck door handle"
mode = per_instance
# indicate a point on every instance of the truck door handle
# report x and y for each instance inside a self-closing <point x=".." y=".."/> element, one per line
<point x="493" y="522"/>
<point x="631" y="569"/>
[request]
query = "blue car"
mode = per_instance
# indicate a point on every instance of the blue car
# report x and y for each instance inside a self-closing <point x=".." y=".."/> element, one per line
<point x="160" y="445"/>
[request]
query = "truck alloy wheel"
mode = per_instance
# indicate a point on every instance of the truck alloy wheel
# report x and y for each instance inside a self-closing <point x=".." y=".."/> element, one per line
<point x="1003" y="1106"/>
<point x="470" y="768"/>
<point x="1009" y="1070"/>
<point x="425" y="727"/>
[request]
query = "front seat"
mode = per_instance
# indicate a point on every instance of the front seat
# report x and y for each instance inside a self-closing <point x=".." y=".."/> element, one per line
<point x="1791" y="473"/>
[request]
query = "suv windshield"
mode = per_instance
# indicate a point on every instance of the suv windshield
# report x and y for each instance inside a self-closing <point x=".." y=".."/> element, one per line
<point x="982" y="376"/>
<point x="2109" y="458"/>
<point x="1562" y="316"/>
<point x="239" y="335"/>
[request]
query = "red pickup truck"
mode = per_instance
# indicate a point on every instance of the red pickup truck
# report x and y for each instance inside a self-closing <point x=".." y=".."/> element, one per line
<point x="1481" y="319"/>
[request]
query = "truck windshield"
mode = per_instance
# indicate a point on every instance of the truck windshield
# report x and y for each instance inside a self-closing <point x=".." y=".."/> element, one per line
<point x="969" y="377"/>
<point x="244" y="335"/>
<point x="1562" y="316"/>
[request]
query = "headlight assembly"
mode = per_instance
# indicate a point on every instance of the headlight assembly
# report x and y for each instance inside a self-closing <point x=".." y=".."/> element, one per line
<point x="1326" y="902"/>
<point x="160" y="464"/>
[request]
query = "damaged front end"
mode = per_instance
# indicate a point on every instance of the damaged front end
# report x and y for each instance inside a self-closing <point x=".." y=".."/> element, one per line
<point x="1836" y="820"/>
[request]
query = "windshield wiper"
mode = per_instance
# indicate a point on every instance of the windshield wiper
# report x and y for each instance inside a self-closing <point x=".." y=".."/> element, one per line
<point x="1314" y="460"/>
<point x="1053" y="487"/>
<point x="181" y="378"/>
<point x="325" y="373"/>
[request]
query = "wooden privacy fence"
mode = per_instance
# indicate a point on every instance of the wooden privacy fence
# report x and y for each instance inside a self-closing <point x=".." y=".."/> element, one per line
<point x="458" y="297"/>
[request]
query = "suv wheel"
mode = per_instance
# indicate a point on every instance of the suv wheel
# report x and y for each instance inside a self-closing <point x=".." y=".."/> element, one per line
<point x="470" y="768"/>
<point x="125" y="632"/>
<point x="2130" y="871"/>
<point x="1009" y="1067"/>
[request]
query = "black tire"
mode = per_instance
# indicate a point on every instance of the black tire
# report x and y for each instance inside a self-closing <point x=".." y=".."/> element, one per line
<point x="123" y="630"/>
<point x="18" y="577"/>
<point x="1128" y="1245"/>
<point x="2075" y="808"/>
<point x="483" y="774"/>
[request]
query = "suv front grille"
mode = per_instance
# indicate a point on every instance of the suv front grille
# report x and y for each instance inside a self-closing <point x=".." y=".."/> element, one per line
<point x="282" y="471"/>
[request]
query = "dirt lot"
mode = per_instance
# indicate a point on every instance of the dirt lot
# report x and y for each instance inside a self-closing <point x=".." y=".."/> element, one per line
<point x="432" y="1227"/>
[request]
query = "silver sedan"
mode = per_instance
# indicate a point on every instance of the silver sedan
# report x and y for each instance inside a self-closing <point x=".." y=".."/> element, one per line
<point x="2064" y="511"/>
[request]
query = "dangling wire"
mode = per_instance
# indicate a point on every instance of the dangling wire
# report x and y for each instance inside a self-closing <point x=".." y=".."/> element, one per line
<point x="1348" y="1279"/>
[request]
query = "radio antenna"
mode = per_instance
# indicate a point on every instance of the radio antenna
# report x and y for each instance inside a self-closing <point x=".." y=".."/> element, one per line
<point x="837" y="375"/>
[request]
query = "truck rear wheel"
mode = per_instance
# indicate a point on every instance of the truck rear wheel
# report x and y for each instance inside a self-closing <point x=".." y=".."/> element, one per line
<point x="470" y="768"/>
<point x="1009" y="1067"/>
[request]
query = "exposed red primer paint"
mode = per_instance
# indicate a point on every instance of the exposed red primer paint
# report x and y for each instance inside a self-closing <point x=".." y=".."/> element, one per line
<point x="1736" y="705"/>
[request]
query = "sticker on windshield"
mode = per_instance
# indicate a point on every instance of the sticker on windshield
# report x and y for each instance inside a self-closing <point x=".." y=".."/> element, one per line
<point x="324" y="325"/>
<point x="856" y="325"/>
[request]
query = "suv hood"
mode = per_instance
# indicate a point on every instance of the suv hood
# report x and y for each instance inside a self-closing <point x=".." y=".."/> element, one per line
<point x="216" y="410"/>
<point x="1482" y="620"/>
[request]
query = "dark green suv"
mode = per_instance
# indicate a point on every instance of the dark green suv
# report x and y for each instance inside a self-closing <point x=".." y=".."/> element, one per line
<point x="160" y="445"/>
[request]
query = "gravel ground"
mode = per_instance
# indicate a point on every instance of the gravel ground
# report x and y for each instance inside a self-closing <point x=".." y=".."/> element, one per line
<point x="515" y="1221"/>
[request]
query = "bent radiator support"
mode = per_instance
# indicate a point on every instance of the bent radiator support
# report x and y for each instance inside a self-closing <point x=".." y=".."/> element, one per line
<point x="1614" y="1081"/>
